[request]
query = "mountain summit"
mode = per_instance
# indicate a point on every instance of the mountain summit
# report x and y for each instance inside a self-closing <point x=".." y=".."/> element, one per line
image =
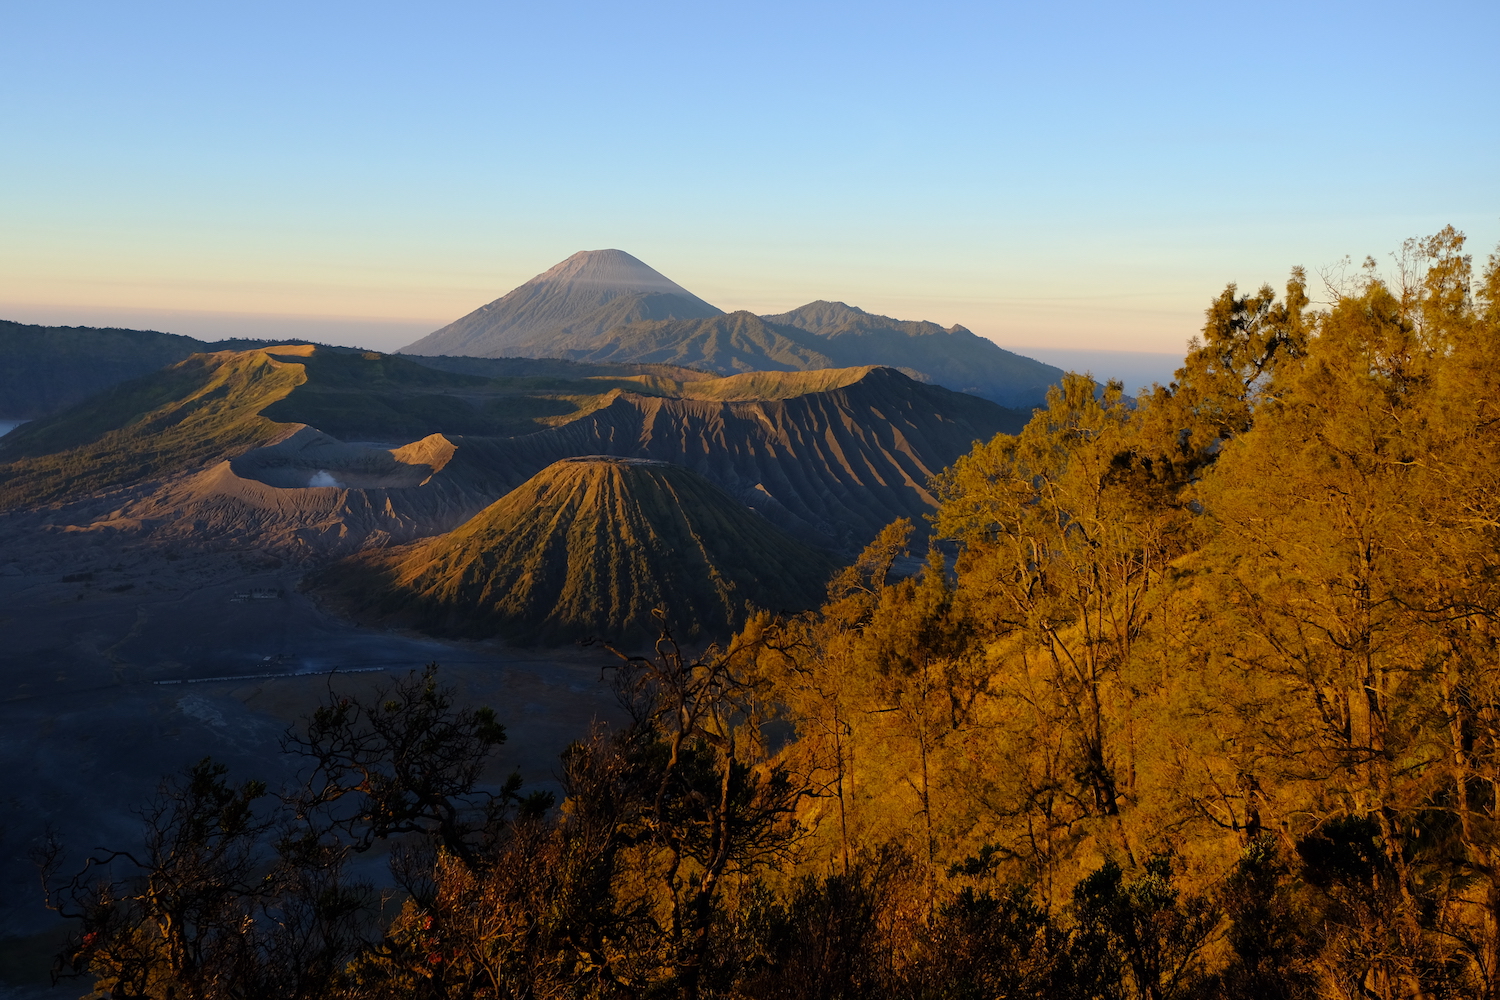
<point x="609" y="269"/>
<point x="589" y="293"/>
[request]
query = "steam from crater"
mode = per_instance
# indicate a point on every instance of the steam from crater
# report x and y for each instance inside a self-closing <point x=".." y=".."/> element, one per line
<point x="323" y="478"/>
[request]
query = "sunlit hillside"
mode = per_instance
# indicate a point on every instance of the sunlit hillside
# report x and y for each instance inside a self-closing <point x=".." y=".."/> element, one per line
<point x="591" y="547"/>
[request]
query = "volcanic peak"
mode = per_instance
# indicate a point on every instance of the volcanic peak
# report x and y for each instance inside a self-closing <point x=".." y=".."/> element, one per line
<point x="590" y="545"/>
<point x="590" y="292"/>
<point x="609" y="269"/>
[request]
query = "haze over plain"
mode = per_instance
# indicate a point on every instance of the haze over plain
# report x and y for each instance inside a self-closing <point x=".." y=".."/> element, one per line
<point x="1054" y="178"/>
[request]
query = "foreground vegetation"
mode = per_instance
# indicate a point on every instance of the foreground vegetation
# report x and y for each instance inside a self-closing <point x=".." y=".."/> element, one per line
<point x="1200" y="700"/>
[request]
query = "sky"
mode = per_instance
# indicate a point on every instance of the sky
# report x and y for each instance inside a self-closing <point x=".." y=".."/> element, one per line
<point x="1064" y="177"/>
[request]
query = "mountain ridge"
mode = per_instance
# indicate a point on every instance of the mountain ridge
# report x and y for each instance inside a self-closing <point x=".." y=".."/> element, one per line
<point x="953" y="356"/>
<point x="46" y="369"/>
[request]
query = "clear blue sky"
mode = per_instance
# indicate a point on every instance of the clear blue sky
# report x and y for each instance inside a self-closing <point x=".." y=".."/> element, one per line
<point x="1071" y="174"/>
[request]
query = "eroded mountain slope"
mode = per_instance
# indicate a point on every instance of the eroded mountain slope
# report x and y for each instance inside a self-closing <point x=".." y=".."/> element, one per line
<point x="589" y="546"/>
<point x="832" y="466"/>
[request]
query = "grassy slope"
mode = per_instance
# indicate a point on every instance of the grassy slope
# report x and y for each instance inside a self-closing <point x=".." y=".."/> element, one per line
<point x="590" y="547"/>
<point x="354" y="395"/>
<point x="200" y="410"/>
<point x="45" y="369"/>
<point x="370" y="396"/>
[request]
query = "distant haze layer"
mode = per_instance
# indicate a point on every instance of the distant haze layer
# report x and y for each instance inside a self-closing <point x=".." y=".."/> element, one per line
<point x="1137" y="369"/>
<point x="371" y="332"/>
<point x="1085" y="175"/>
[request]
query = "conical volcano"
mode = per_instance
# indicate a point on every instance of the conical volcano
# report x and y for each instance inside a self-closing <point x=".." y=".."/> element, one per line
<point x="589" y="547"/>
<point x="590" y="292"/>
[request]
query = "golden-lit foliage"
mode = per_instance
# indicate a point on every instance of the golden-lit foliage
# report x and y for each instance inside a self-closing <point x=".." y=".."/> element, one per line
<point x="1253" y="610"/>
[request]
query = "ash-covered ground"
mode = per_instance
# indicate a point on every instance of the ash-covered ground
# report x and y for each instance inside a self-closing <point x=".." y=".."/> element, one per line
<point x="122" y="660"/>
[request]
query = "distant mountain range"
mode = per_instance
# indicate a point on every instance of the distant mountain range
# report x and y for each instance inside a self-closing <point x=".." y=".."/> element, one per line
<point x="607" y="306"/>
<point x="703" y="492"/>
<point x="626" y="446"/>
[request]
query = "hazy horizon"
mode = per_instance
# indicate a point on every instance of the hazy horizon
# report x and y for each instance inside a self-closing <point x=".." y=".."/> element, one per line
<point x="1087" y="177"/>
<point x="1136" y="369"/>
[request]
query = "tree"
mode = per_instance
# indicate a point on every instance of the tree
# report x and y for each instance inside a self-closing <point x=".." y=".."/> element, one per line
<point x="1136" y="936"/>
<point x="206" y="910"/>
<point x="710" y="803"/>
<point x="1356" y="599"/>
<point x="813" y="666"/>
<point x="1066" y="532"/>
<point x="408" y="762"/>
